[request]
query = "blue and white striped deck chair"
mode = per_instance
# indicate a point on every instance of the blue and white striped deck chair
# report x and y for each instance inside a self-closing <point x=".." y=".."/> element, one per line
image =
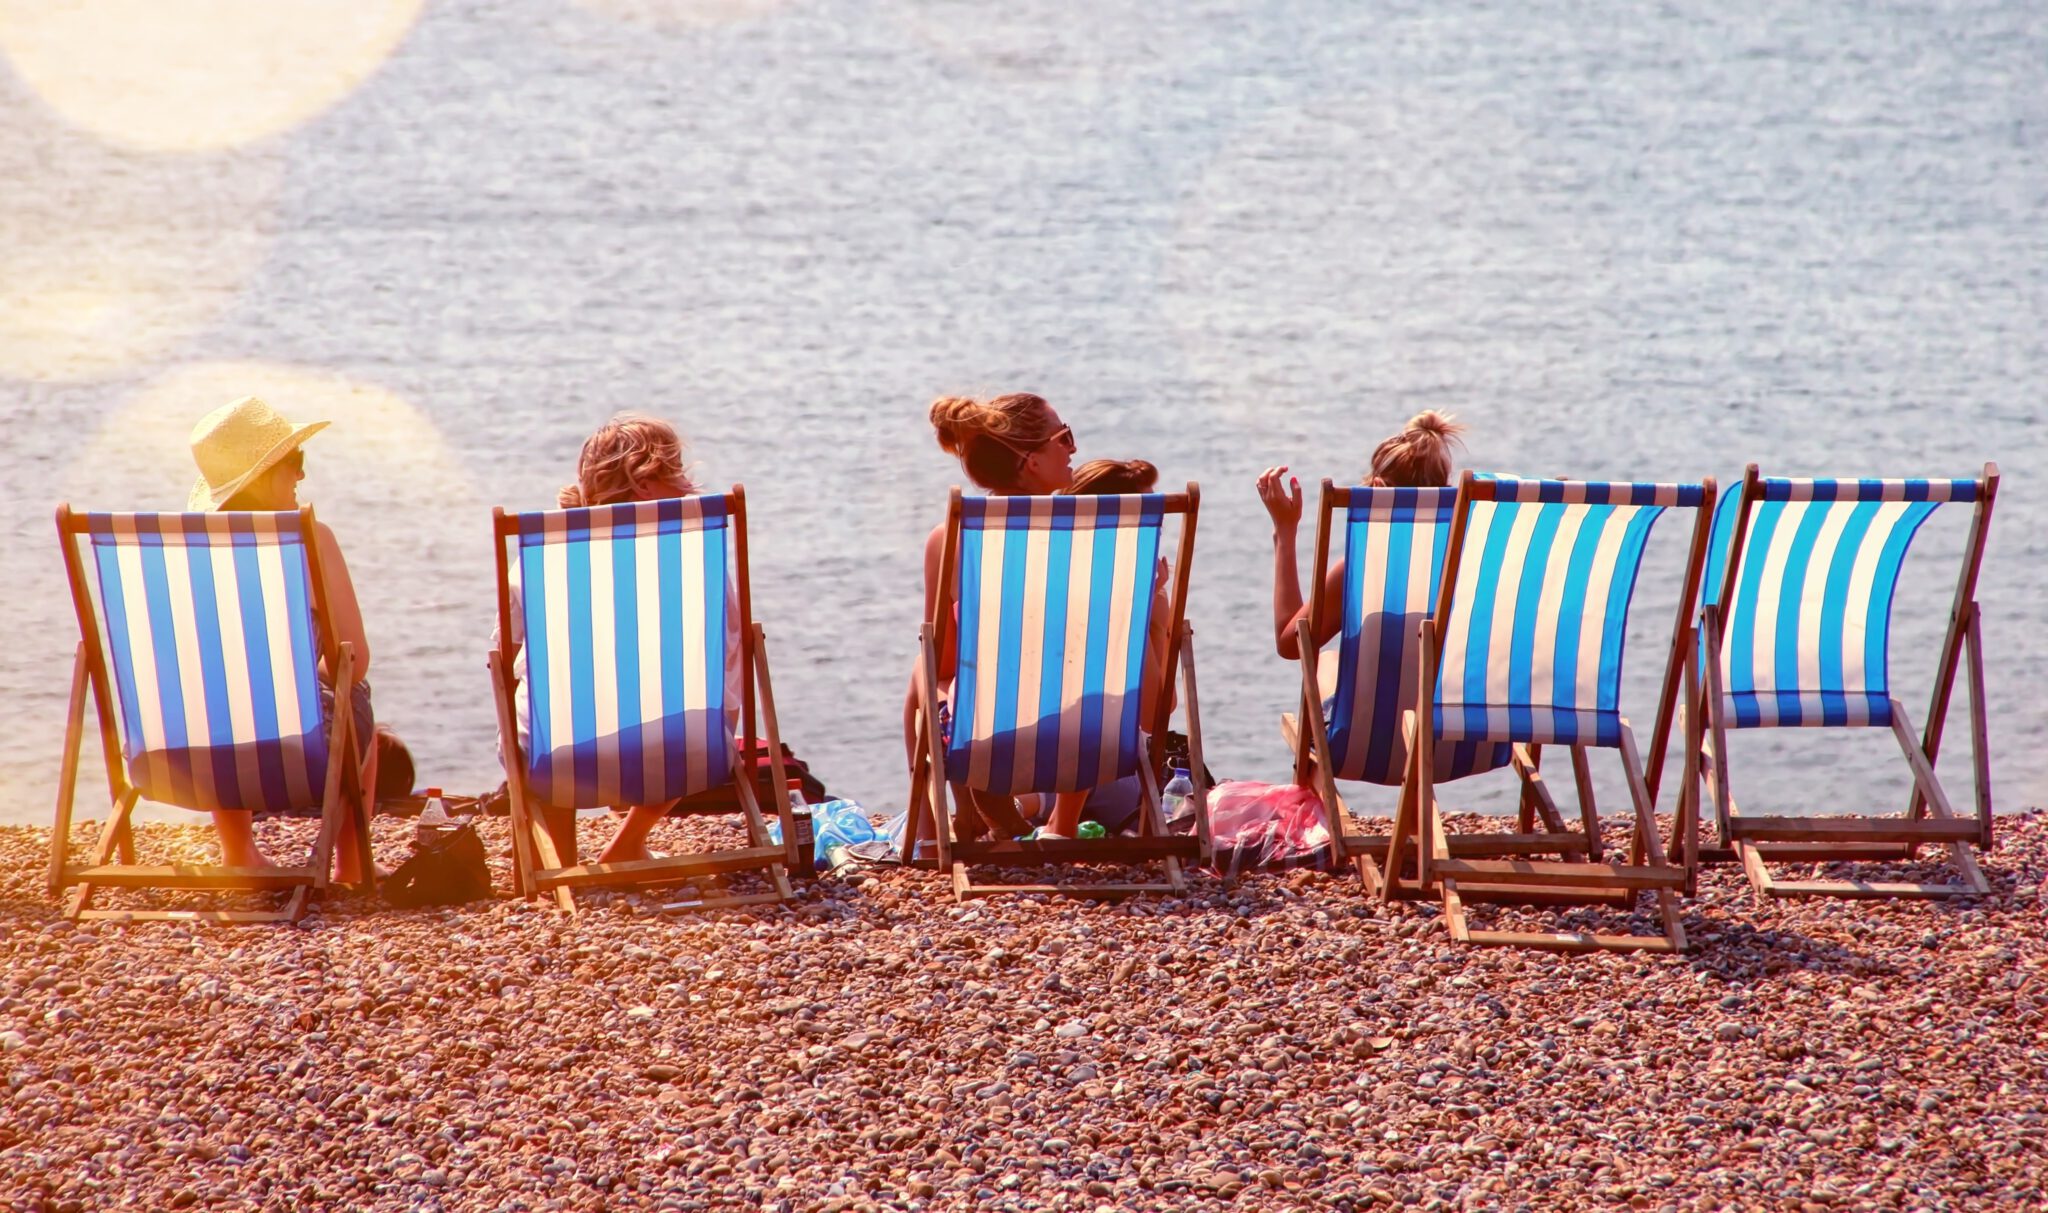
<point x="1055" y="599"/>
<point x="638" y="631"/>
<point x="1801" y="582"/>
<point x="206" y="677"/>
<point x="1525" y="647"/>
<point x="1392" y="543"/>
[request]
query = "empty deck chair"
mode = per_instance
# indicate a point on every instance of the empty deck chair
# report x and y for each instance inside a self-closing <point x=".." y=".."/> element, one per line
<point x="1055" y="597"/>
<point x="1798" y="635"/>
<point x="1525" y="648"/>
<point x="633" y="616"/>
<point x="1392" y="541"/>
<point x="211" y="653"/>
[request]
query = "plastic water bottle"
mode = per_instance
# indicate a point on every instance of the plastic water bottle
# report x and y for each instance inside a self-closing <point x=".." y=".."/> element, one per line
<point x="1176" y="802"/>
<point x="433" y="820"/>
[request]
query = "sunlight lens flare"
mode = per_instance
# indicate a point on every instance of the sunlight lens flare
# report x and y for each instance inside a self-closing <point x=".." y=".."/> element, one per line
<point x="377" y="470"/>
<point x="197" y="75"/>
<point x="114" y="258"/>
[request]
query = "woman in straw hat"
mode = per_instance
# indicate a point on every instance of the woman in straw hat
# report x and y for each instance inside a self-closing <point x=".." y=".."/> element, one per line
<point x="250" y="458"/>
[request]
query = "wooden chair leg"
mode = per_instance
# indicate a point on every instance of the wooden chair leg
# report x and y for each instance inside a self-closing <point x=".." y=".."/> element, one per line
<point x="67" y="776"/>
<point x="524" y="856"/>
<point x="112" y="831"/>
<point x="1937" y="800"/>
<point x="1589" y="808"/>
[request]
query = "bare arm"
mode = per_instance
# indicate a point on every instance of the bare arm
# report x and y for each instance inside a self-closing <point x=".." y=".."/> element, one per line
<point x="1284" y="505"/>
<point x="344" y="614"/>
<point x="934" y="551"/>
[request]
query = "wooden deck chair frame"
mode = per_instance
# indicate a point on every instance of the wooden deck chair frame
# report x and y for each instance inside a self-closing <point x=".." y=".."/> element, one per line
<point x="1930" y="818"/>
<point x="1314" y="765"/>
<point x="930" y="815"/>
<point x="114" y="863"/>
<point x="540" y="868"/>
<point x="1419" y="838"/>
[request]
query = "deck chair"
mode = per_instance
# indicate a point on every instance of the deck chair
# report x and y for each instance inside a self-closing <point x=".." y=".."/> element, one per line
<point x="1797" y="632"/>
<point x="211" y="653"/>
<point x="1525" y="647"/>
<point x="633" y="614"/>
<point x="1054" y="598"/>
<point x="1392" y="541"/>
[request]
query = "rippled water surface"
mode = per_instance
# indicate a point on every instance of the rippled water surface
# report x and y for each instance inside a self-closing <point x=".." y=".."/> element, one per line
<point x="1217" y="235"/>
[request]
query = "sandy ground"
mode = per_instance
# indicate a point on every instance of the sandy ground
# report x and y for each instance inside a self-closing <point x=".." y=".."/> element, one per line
<point x="1283" y="1043"/>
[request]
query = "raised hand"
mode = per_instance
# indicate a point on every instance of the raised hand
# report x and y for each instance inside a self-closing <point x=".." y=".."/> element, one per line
<point x="1283" y="503"/>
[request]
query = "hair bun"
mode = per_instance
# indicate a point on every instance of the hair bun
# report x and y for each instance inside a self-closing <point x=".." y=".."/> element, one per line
<point x="1437" y="425"/>
<point x="570" y="497"/>
<point x="956" y="419"/>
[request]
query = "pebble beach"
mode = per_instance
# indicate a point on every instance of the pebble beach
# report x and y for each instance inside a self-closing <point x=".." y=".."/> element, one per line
<point x="1276" y="1043"/>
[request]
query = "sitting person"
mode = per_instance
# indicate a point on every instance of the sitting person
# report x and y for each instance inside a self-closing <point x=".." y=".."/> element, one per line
<point x="242" y="469"/>
<point x="1417" y="457"/>
<point x="629" y="458"/>
<point x="1115" y="805"/>
<point x="1011" y="446"/>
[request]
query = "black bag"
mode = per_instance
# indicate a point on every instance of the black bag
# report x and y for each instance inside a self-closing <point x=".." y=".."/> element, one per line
<point x="446" y="868"/>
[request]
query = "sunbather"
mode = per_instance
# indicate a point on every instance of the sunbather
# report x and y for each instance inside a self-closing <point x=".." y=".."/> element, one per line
<point x="629" y="458"/>
<point x="1417" y="457"/>
<point x="252" y="459"/>
<point x="1011" y="446"/>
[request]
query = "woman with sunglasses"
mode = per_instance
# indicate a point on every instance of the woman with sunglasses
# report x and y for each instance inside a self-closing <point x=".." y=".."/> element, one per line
<point x="252" y="459"/>
<point x="1011" y="446"/>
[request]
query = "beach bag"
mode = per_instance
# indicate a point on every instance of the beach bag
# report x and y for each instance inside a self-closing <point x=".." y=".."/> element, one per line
<point x="1265" y="825"/>
<point x="447" y="868"/>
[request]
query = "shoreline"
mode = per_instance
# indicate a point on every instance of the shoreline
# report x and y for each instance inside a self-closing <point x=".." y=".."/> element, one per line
<point x="1279" y="1043"/>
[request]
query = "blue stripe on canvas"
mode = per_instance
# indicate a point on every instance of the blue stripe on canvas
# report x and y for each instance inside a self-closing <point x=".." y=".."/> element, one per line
<point x="1009" y="646"/>
<point x="263" y="691"/>
<point x="1387" y="692"/>
<point x="1743" y="621"/>
<point x="539" y="661"/>
<point x="1614" y="636"/>
<point x="582" y="675"/>
<point x="1051" y="685"/>
<point x="632" y="752"/>
<point x="967" y="665"/>
<point x="1797" y="559"/>
<point x="1134" y="657"/>
<point x="668" y="562"/>
<point x="1535" y="560"/>
<point x="717" y="751"/>
<point x="220" y="726"/>
<point x="1095" y="669"/>
<point x="1834" y="605"/>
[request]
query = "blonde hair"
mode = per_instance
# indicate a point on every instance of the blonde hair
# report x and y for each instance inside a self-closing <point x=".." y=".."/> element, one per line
<point x="1110" y="476"/>
<point x="1420" y="455"/>
<point x="992" y="438"/>
<point x="627" y="452"/>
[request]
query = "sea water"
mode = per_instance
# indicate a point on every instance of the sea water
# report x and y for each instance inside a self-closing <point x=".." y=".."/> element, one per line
<point x="1653" y="244"/>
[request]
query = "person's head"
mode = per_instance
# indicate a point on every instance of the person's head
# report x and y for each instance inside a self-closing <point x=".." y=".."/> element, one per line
<point x="1420" y="455"/>
<point x="1108" y="477"/>
<point x="1014" y="445"/>
<point x="249" y="457"/>
<point x="629" y="458"/>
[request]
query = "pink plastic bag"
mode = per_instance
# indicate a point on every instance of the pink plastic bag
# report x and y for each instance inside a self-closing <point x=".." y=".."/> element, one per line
<point x="1267" y="825"/>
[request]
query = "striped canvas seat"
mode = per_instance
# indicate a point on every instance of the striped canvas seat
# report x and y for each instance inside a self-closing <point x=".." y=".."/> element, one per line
<point x="1532" y="646"/>
<point x="1393" y="542"/>
<point x="629" y="637"/>
<point x="1807" y="629"/>
<point x="1055" y="599"/>
<point x="213" y="656"/>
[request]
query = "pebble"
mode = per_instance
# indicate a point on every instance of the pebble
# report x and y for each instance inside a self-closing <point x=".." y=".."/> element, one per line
<point x="1282" y="1044"/>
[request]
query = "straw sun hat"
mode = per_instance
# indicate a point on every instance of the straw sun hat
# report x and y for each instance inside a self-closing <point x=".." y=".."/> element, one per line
<point x="235" y="444"/>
